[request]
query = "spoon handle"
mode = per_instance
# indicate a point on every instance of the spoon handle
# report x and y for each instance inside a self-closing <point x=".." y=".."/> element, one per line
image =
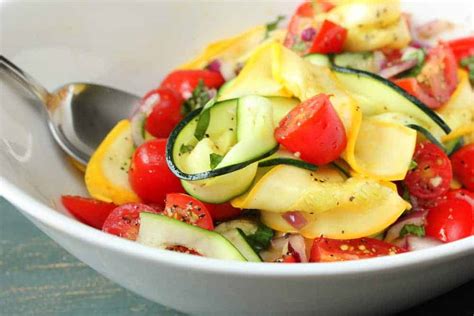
<point x="26" y="80"/>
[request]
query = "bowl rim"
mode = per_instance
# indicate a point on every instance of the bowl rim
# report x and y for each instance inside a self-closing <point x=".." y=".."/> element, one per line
<point x="50" y="217"/>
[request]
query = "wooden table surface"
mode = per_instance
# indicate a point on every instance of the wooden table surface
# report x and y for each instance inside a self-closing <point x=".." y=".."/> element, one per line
<point x="38" y="277"/>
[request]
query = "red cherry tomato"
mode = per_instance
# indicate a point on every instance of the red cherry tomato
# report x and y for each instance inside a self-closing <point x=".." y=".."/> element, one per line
<point x="223" y="212"/>
<point x="329" y="250"/>
<point x="302" y="29"/>
<point x="464" y="195"/>
<point x="89" y="211"/>
<point x="314" y="130"/>
<point x="439" y="73"/>
<point x="330" y="38"/>
<point x="124" y="221"/>
<point x="165" y="113"/>
<point x="412" y="86"/>
<point x="449" y="220"/>
<point x="188" y="209"/>
<point x="149" y="174"/>
<point x="463" y="166"/>
<point x="185" y="81"/>
<point x="433" y="174"/>
<point x="462" y="47"/>
<point x="438" y="78"/>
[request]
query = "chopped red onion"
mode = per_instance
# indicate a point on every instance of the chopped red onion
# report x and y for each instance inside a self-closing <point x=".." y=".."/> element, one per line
<point x="397" y="68"/>
<point x="139" y="116"/>
<point x="295" y="219"/>
<point x="417" y="243"/>
<point x="417" y="218"/>
<point x="432" y="28"/>
<point x="297" y="245"/>
<point x="214" y="65"/>
<point x="280" y="243"/>
<point x="308" y="34"/>
<point x="420" y="44"/>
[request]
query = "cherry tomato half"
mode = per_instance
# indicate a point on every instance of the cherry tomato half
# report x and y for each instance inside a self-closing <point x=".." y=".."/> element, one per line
<point x="463" y="166"/>
<point x="302" y="29"/>
<point x="89" y="211"/>
<point x="124" y="221"/>
<point x="438" y="78"/>
<point x="188" y="209"/>
<point x="166" y="112"/>
<point x="464" y="195"/>
<point x="314" y="130"/>
<point x="184" y="82"/>
<point x="433" y="174"/>
<point x="329" y="250"/>
<point x="439" y="73"/>
<point x="149" y="174"/>
<point x="330" y="38"/>
<point x="449" y="220"/>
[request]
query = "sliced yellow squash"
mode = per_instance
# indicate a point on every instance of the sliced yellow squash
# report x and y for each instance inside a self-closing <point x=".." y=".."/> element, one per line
<point x="280" y="189"/>
<point x="256" y="77"/>
<point x="371" y="24"/>
<point x="394" y="36"/>
<point x="383" y="149"/>
<point x="364" y="13"/>
<point x="229" y="48"/>
<point x="234" y="49"/>
<point x="458" y="112"/>
<point x="334" y="207"/>
<point x="106" y="174"/>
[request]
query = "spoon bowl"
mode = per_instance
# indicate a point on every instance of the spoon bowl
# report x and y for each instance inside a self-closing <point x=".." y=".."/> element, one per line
<point x="79" y="114"/>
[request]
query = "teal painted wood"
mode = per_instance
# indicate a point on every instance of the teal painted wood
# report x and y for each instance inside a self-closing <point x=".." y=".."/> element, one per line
<point x="38" y="277"/>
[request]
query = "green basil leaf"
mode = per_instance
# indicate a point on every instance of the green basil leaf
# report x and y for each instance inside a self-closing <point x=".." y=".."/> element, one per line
<point x="215" y="159"/>
<point x="411" y="229"/>
<point x="202" y="124"/>
<point x="273" y="25"/>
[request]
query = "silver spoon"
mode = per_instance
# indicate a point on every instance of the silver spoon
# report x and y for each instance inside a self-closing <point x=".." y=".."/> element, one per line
<point x="79" y="114"/>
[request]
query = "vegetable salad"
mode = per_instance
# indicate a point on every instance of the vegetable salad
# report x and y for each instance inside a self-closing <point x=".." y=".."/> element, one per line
<point x="346" y="133"/>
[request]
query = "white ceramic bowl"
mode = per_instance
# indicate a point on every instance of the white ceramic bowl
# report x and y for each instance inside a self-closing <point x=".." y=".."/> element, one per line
<point x="130" y="45"/>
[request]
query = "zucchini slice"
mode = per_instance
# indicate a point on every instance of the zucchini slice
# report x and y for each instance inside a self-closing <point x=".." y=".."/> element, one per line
<point x="362" y="61"/>
<point x="163" y="232"/>
<point x="377" y="95"/>
<point x="237" y="238"/>
<point x="220" y="127"/>
<point x="215" y="151"/>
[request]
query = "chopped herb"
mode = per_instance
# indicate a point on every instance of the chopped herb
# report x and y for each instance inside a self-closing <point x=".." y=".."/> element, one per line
<point x="468" y="62"/>
<point x="202" y="124"/>
<point x="185" y="149"/>
<point x="199" y="97"/>
<point x="419" y="55"/>
<point x="413" y="165"/>
<point x="273" y="25"/>
<point x="215" y="159"/>
<point x="411" y="229"/>
<point x="260" y="240"/>
<point x="299" y="46"/>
